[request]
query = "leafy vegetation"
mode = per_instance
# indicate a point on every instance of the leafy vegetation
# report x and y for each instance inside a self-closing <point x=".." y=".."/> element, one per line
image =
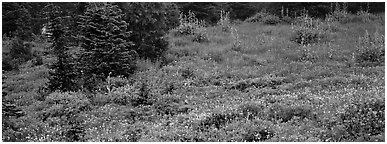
<point x="136" y="76"/>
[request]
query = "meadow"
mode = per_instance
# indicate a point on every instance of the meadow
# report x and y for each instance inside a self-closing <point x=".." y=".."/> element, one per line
<point x="309" y="80"/>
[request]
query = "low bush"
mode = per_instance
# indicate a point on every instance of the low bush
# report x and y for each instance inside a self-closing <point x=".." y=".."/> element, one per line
<point x="225" y="21"/>
<point x="256" y="134"/>
<point x="189" y="25"/>
<point x="344" y="17"/>
<point x="286" y="20"/>
<point x="257" y="17"/>
<point x="217" y="120"/>
<point x="271" y="20"/>
<point x="133" y="95"/>
<point x="37" y="61"/>
<point x="286" y="113"/>
<point x="170" y="105"/>
<point x="307" y="31"/>
<point x="261" y="82"/>
<point x="265" y="18"/>
<point x="364" y="117"/>
<point x="20" y="50"/>
<point x="9" y="64"/>
<point x="251" y="110"/>
<point x="371" y="50"/>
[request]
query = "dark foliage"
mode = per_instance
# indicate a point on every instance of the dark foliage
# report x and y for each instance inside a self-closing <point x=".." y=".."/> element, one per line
<point x="207" y="11"/>
<point x="9" y="111"/>
<point x="305" y="36"/>
<point x="286" y="113"/>
<point x="17" y="20"/>
<point x="217" y="120"/>
<point x="173" y="14"/>
<point x="62" y="76"/>
<point x="105" y="46"/>
<point x="23" y="23"/>
<point x="250" y="110"/>
<point x="364" y="118"/>
<point x="255" y="134"/>
<point x="370" y="57"/>
<point x="148" y="23"/>
<point x="20" y="50"/>
<point x="240" y="10"/>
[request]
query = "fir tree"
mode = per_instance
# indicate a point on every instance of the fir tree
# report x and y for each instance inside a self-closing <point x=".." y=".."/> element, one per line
<point x="149" y="24"/>
<point x="105" y="50"/>
<point x="62" y="74"/>
<point x="23" y="31"/>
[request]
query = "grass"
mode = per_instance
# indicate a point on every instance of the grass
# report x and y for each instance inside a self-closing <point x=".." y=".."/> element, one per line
<point x="271" y="89"/>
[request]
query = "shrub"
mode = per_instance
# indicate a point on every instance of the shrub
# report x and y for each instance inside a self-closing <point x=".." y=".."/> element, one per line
<point x="340" y="16"/>
<point x="286" y="113"/>
<point x="133" y="95"/>
<point x="170" y="105"/>
<point x="250" y="110"/>
<point x="364" y="117"/>
<point x="365" y="17"/>
<point x="236" y="42"/>
<point x="61" y="117"/>
<point x="286" y="20"/>
<point x="257" y="17"/>
<point x="224" y="21"/>
<point x="115" y="82"/>
<point x="20" y="50"/>
<point x="307" y="31"/>
<point x="371" y="50"/>
<point x="217" y="120"/>
<point x="70" y="103"/>
<point x="271" y="20"/>
<point x="255" y="134"/>
<point x="187" y="73"/>
<point x="265" y="18"/>
<point x="10" y="64"/>
<point x="200" y="36"/>
<point x="38" y="60"/>
<point x="190" y="25"/>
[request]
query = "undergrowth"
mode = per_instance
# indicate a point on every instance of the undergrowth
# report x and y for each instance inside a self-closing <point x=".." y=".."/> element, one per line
<point x="310" y="81"/>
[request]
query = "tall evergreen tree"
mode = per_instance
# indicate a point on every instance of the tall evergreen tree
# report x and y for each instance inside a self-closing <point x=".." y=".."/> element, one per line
<point x="62" y="74"/>
<point x="105" y="50"/>
<point x="23" y="23"/>
<point x="148" y="23"/>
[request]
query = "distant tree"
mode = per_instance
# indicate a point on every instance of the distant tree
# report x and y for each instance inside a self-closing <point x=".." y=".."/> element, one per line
<point x="105" y="48"/>
<point x="208" y="11"/>
<point x="17" y="21"/>
<point x="62" y="74"/>
<point x="35" y="9"/>
<point x="23" y="23"/>
<point x="9" y="17"/>
<point x="240" y="10"/>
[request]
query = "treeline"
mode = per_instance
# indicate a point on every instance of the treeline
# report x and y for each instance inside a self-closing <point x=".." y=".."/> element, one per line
<point x="208" y="11"/>
<point x="242" y="10"/>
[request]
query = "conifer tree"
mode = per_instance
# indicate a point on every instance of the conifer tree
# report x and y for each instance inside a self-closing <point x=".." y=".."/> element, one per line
<point x="62" y="74"/>
<point x="149" y="23"/>
<point x="23" y="31"/>
<point x="105" y="50"/>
